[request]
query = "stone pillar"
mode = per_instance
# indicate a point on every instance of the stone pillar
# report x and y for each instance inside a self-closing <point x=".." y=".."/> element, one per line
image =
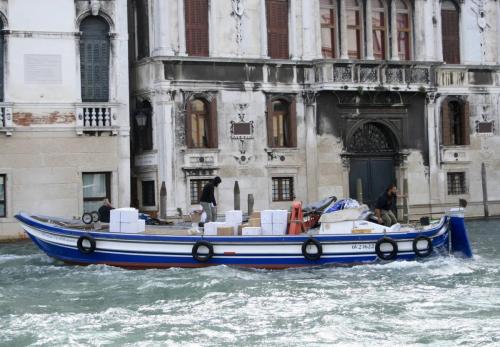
<point x="165" y="134"/>
<point x="212" y="35"/>
<point x="438" y="31"/>
<point x="343" y="31"/>
<point x="181" y="27"/>
<point x="394" y="32"/>
<point x="419" y="29"/>
<point x="308" y="32"/>
<point x="161" y="23"/>
<point x="309" y="101"/>
<point x="263" y="30"/>
<point x="293" y="30"/>
<point x="498" y="35"/>
<point x="433" y="135"/>
<point x="369" y="31"/>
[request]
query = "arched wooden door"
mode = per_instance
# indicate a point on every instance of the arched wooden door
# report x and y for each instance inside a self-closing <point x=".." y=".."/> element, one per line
<point x="372" y="149"/>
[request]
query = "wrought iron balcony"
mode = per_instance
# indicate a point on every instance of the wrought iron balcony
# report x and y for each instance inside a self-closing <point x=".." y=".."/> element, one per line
<point x="96" y="117"/>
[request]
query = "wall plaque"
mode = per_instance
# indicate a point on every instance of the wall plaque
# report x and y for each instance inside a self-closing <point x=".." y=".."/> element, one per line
<point x="42" y="69"/>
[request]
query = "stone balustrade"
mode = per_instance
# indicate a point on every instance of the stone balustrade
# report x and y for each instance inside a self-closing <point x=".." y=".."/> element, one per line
<point x="96" y="117"/>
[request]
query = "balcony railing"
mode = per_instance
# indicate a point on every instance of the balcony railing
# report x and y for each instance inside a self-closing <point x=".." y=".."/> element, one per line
<point x="6" y="124"/>
<point x="96" y="118"/>
<point x="456" y="76"/>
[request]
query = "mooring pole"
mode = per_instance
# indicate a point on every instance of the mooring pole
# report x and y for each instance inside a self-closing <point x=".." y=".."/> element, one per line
<point x="250" y="205"/>
<point x="236" y="195"/>
<point x="359" y="190"/>
<point x="406" y="217"/>
<point x="485" y="190"/>
<point x="163" y="201"/>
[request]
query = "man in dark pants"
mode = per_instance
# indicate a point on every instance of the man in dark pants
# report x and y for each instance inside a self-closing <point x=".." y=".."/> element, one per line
<point x="207" y="199"/>
<point x="105" y="211"/>
<point x="385" y="205"/>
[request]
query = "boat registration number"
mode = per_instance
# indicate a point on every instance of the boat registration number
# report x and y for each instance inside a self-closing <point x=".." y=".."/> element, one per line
<point x="363" y="246"/>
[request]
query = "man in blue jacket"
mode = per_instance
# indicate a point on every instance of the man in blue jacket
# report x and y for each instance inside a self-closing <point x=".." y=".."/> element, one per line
<point x="207" y="199"/>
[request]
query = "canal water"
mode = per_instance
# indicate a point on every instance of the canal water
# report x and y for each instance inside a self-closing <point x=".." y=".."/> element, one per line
<point x="440" y="302"/>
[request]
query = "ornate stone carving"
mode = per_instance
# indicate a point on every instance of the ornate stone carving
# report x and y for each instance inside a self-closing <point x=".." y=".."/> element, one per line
<point x="370" y="138"/>
<point x="394" y="75"/>
<point x="482" y="23"/>
<point x="368" y="74"/>
<point x="241" y="129"/>
<point x="342" y="73"/>
<point x="485" y="126"/>
<point x="418" y="75"/>
<point x="237" y="13"/>
<point x="309" y="97"/>
<point x="95" y="6"/>
<point x="432" y="97"/>
<point x="188" y="95"/>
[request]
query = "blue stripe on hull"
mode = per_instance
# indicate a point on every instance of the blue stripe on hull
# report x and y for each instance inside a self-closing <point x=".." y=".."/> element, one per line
<point x="73" y="255"/>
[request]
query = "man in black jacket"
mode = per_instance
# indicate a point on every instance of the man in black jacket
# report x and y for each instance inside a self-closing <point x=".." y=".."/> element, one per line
<point x="207" y="199"/>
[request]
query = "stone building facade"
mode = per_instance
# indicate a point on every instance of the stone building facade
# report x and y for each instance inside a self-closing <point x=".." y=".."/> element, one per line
<point x="310" y="98"/>
<point x="64" y="110"/>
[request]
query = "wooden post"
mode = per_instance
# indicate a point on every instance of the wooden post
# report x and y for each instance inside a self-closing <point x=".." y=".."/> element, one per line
<point x="485" y="190"/>
<point x="250" y="205"/>
<point x="236" y="195"/>
<point x="359" y="190"/>
<point x="406" y="217"/>
<point x="163" y="201"/>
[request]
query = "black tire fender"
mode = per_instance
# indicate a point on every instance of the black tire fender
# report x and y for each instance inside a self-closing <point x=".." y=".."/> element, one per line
<point x="384" y="255"/>
<point x="85" y="249"/>
<point x="422" y="253"/>
<point x="202" y="258"/>
<point x="312" y="256"/>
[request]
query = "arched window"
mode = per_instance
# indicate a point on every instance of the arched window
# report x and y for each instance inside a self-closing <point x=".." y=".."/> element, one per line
<point x="196" y="19"/>
<point x="328" y="9"/>
<point x="144" y="126"/>
<point x="201" y="124"/>
<point x="142" y="28"/>
<point x="379" y="22"/>
<point x="94" y="59"/>
<point x="277" y="28"/>
<point x="455" y="122"/>
<point x="450" y="32"/>
<point x="1" y="61"/>
<point x="403" y="28"/>
<point x="354" y="31"/>
<point x="281" y="123"/>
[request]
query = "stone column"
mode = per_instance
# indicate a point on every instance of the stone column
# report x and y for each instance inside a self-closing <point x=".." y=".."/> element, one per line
<point x="369" y="31"/>
<point x="293" y="31"/>
<point x="343" y="31"/>
<point x="433" y="136"/>
<point x="419" y="29"/>
<point x="165" y="134"/>
<point x="309" y="101"/>
<point x="394" y="32"/>
<point x="181" y="27"/>
<point x="263" y="30"/>
<point x="212" y="35"/>
<point x="498" y="35"/>
<point x="308" y="32"/>
<point x="161" y="20"/>
<point x="438" y="31"/>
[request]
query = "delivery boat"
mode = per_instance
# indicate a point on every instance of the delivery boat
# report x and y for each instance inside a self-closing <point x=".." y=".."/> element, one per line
<point x="346" y="236"/>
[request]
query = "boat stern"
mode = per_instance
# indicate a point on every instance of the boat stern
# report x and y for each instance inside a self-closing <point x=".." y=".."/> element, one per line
<point x="459" y="239"/>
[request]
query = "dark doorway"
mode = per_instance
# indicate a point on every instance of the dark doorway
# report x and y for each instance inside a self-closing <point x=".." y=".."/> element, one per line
<point x="372" y="150"/>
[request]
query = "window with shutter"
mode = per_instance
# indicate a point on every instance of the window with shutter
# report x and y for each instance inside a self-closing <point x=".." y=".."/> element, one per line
<point x="450" y="33"/>
<point x="354" y="19"/>
<point x="455" y="122"/>
<point x="201" y="124"/>
<point x="403" y="20"/>
<point x="196" y="19"/>
<point x="281" y="123"/>
<point x="379" y="22"/>
<point x="277" y="28"/>
<point x="142" y="28"/>
<point x="328" y="13"/>
<point x="94" y="59"/>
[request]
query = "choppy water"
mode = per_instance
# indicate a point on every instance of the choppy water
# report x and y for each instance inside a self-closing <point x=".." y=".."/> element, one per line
<point x="441" y="302"/>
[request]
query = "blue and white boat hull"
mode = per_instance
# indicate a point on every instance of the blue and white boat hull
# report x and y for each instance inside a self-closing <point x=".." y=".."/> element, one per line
<point x="271" y="252"/>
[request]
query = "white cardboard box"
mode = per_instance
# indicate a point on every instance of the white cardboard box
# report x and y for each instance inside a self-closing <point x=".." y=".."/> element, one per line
<point x="251" y="231"/>
<point x="114" y="217"/>
<point x="234" y="217"/>
<point x="128" y="215"/>
<point x="210" y="228"/>
<point x="141" y="224"/>
<point x="266" y="217"/>
<point x="279" y="229"/>
<point x="129" y="228"/>
<point x="267" y="229"/>
<point x="114" y="226"/>
<point x="280" y="216"/>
